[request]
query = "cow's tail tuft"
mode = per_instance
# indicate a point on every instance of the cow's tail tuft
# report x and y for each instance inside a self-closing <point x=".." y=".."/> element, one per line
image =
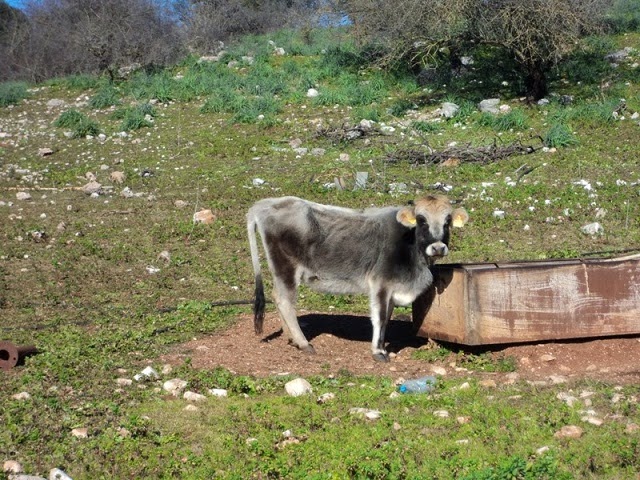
<point x="259" y="300"/>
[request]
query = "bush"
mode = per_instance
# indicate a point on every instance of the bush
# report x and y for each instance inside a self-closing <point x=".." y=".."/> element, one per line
<point x="105" y="97"/>
<point x="79" y="124"/>
<point x="12" y="93"/>
<point x="136" y="117"/>
<point x="559" y="135"/>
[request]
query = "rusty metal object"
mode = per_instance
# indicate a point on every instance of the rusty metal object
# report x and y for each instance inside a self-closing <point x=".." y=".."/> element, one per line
<point x="11" y="355"/>
<point x="479" y="304"/>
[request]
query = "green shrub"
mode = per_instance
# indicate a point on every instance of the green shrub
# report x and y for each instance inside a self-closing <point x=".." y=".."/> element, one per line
<point x="107" y="96"/>
<point x="136" y="117"/>
<point x="79" y="124"/>
<point x="12" y="93"/>
<point x="399" y="107"/>
<point x="426" y="127"/>
<point x="515" y="119"/>
<point x="559" y="135"/>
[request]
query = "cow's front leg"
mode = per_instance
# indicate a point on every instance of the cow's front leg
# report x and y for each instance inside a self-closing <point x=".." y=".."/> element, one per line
<point x="381" y="309"/>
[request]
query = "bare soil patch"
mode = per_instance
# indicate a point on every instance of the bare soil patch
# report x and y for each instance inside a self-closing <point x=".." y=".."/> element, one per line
<point x="342" y="342"/>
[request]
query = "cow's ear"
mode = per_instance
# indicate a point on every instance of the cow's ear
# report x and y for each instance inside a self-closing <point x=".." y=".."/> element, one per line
<point x="406" y="217"/>
<point x="459" y="217"/>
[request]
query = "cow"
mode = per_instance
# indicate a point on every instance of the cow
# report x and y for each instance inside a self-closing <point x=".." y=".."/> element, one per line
<point x="382" y="252"/>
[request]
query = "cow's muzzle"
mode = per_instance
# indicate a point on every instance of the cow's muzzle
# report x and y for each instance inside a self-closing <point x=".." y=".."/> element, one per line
<point x="437" y="249"/>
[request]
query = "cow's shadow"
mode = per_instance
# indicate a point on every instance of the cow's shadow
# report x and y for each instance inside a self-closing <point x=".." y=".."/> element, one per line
<point x="400" y="332"/>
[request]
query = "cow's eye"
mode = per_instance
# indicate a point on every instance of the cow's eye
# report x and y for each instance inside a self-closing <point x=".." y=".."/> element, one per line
<point x="447" y="221"/>
<point x="421" y="220"/>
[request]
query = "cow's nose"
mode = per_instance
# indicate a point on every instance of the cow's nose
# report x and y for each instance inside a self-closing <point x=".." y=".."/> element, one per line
<point x="437" y="249"/>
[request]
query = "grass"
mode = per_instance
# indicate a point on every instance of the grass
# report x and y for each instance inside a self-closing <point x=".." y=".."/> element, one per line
<point x="86" y="298"/>
<point x="12" y="93"/>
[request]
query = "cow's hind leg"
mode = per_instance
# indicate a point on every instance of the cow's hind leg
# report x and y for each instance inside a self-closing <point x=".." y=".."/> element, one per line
<point x="381" y="309"/>
<point x="285" y="298"/>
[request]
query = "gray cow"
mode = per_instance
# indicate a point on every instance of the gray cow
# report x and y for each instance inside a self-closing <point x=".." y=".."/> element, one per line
<point x="382" y="252"/>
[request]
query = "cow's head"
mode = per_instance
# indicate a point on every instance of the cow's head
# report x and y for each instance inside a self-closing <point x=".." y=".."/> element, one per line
<point x="432" y="216"/>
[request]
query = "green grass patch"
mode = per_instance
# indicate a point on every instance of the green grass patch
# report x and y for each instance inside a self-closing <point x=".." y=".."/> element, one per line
<point x="106" y="96"/>
<point x="78" y="123"/>
<point x="12" y="93"/>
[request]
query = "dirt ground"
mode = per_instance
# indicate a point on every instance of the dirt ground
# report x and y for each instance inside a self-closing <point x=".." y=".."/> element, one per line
<point x="343" y="342"/>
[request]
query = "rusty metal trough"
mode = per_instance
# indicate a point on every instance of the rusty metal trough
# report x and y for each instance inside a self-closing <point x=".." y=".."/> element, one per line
<point x="11" y="355"/>
<point x="497" y="303"/>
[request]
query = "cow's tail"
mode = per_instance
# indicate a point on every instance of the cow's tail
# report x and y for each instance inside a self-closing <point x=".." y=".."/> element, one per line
<point x="259" y="300"/>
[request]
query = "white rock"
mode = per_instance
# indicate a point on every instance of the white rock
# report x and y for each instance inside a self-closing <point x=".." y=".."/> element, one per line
<point x="542" y="450"/>
<point x="297" y="387"/>
<point x="439" y="370"/>
<point x="449" y="109"/>
<point x="191" y="408"/>
<point x="124" y="382"/>
<point x="43" y="152"/>
<point x="218" y="392"/>
<point x="117" y="177"/>
<point x="489" y="105"/>
<point x="23" y="196"/>
<point x="194" y="397"/>
<point x="592" y="229"/>
<point x="312" y="93"/>
<point x="11" y="466"/>
<point x="464" y="441"/>
<point x="174" y="386"/>
<point x="366" y="124"/>
<point x="569" y="431"/>
<point x="365" y="412"/>
<point x="57" y="474"/>
<point x="441" y="413"/>
<point x="326" y="397"/>
<point x="92" y="187"/>
<point x="547" y="358"/>
<point x="593" y="420"/>
<point x="204" y="216"/>
<point x="499" y="214"/>
<point x="558" y="379"/>
<point x="164" y="255"/>
<point x="180" y="204"/>
<point x="148" y="373"/>
<point x="279" y="51"/>
<point x="21" y="396"/>
<point x="256" y="182"/>
<point x="80" y="432"/>
<point x="55" y="102"/>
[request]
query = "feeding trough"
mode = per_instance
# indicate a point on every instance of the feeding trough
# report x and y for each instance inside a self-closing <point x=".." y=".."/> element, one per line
<point x="514" y="302"/>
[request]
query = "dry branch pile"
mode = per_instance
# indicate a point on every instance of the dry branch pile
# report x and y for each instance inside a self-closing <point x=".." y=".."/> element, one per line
<point x="425" y="155"/>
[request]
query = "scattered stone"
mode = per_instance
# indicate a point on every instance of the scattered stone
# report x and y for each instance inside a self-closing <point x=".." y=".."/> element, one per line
<point x="218" y="392"/>
<point x="257" y="182"/>
<point x="366" y="124"/>
<point x="463" y="420"/>
<point x="318" y="152"/>
<point x="151" y="270"/>
<point x="344" y="157"/>
<point x="488" y="383"/>
<point x="279" y="51"/>
<point x="499" y="214"/>
<point x="592" y="229"/>
<point x="180" y="204"/>
<point x="449" y="109"/>
<point x="312" y="93"/>
<point x="593" y="420"/>
<point x="463" y="441"/>
<point x="165" y="256"/>
<point x="569" y="431"/>
<point x="547" y="358"/>
<point x="489" y="105"/>
<point x="21" y="396"/>
<point x="174" y="386"/>
<point x="439" y="370"/>
<point x="326" y="397"/>
<point x="55" y="102"/>
<point x="194" y="397"/>
<point x="297" y="387"/>
<point x="441" y="413"/>
<point x="191" y="408"/>
<point x="92" y="187"/>
<point x="204" y="216"/>
<point x="361" y="180"/>
<point x="80" y="432"/>
<point x="570" y="400"/>
<point x="558" y="379"/>
<point x="124" y="382"/>
<point x="394" y="394"/>
<point x="90" y="176"/>
<point x="57" y="474"/>
<point x="11" y="466"/>
<point x="44" y="152"/>
<point x="23" y="196"/>
<point x="398" y="188"/>
<point x="632" y="428"/>
<point x="465" y="386"/>
<point x="365" y="412"/>
<point x="542" y="450"/>
<point x="148" y="373"/>
<point x="123" y="432"/>
<point x="543" y="101"/>
<point x="117" y="177"/>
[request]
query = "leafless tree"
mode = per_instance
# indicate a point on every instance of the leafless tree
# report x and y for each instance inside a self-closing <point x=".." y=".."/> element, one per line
<point x="537" y="33"/>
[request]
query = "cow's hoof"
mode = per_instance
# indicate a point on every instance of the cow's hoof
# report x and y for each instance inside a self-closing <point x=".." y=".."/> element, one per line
<point x="381" y="357"/>
<point x="309" y="349"/>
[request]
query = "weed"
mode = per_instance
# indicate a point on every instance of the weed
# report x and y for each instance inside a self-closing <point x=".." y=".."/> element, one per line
<point x="399" y="107"/>
<point x="487" y="362"/>
<point x="12" y="93"/>
<point x="513" y="120"/>
<point x="107" y="96"/>
<point x="426" y="127"/>
<point x="136" y="117"/>
<point x="559" y="135"/>
<point x="79" y="124"/>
